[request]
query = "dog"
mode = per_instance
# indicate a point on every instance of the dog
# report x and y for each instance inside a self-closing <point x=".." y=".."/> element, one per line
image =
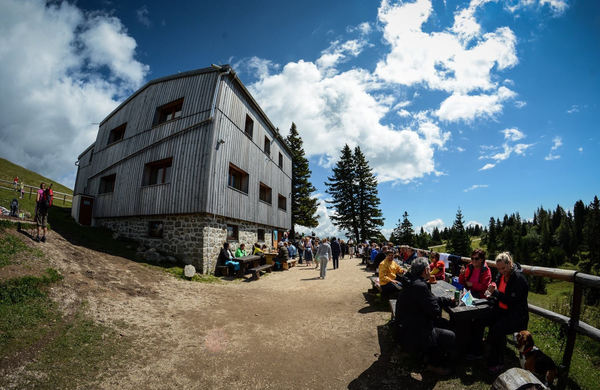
<point x="533" y="359"/>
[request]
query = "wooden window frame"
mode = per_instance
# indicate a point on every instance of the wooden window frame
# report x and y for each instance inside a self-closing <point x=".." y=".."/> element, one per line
<point x="243" y="178"/>
<point x="279" y="202"/>
<point x="104" y="184"/>
<point x="236" y="233"/>
<point x="280" y="160"/>
<point x="174" y="108"/>
<point x="265" y="193"/>
<point x="267" y="147"/>
<point x="91" y="155"/>
<point x="117" y="134"/>
<point x="260" y="235"/>
<point x="249" y="127"/>
<point x="164" y="164"/>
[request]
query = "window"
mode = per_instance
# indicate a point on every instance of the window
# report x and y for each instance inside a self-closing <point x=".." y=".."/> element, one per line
<point x="232" y="233"/>
<point x="261" y="234"/>
<point x="265" y="193"/>
<point x="237" y="179"/>
<point x="107" y="184"/>
<point x="280" y="160"/>
<point x="116" y="134"/>
<point x="169" y="111"/>
<point x="282" y="203"/>
<point x="91" y="155"/>
<point x="155" y="230"/>
<point x="249" y="129"/>
<point x="158" y="172"/>
<point x="267" y="146"/>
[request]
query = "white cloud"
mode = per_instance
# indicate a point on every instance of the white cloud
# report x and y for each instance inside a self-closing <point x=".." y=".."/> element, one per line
<point x="460" y="150"/>
<point x="142" y="16"/>
<point x="326" y="227"/>
<point x="429" y="226"/>
<point x="580" y="150"/>
<point x="551" y="157"/>
<point x="557" y="142"/>
<point x="513" y="134"/>
<point x="558" y="7"/>
<point x="573" y="109"/>
<point x="57" y="79"/>
<point x="475" y="186"/>
<point x="519" y="104"/>
<point x="487" y="166"/>
<point x="469" y="107"/>
<point x="473" y="224"/>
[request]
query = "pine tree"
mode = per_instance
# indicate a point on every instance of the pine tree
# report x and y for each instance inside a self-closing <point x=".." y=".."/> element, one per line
<point x="342" y="188"/>
<point x="404" y="233"/>
<point x="304" y="206"/>
<point x="492" y="242"/>
<point x="436" y="239"/>
<point x="460" y="242"/>
<point x="579" y="214"/>
<point x="369" y="214"/>
<point x="591" y="233"/>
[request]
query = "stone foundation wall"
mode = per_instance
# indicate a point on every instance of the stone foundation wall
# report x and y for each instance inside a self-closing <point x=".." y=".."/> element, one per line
<point x="192" y="238"/>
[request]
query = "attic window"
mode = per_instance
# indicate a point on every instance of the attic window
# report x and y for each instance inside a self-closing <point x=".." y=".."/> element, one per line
<point x="249" y="129"/>
<point x="170" y="111"/>
<point x="116" y="134"/>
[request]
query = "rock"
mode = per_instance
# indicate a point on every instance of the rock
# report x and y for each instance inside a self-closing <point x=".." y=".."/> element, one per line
<point x="139" y="256"/>
<point x="152" y="256"/>
<point x="141" y="249"/>
<point x="152" y="250"/>
<point x="171" y="259"/>
<point x="189" y="271"/>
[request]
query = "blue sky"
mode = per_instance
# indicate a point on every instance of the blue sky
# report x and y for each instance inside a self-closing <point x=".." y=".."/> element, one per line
<point x="490" y="106"/>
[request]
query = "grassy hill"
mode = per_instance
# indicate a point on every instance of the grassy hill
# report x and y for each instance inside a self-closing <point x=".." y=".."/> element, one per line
<point x="9" y="170"/>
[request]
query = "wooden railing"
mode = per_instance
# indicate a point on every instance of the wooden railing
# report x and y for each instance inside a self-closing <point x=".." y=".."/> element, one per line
<point x="32" y="191"/>
<point x="573" y="324"/>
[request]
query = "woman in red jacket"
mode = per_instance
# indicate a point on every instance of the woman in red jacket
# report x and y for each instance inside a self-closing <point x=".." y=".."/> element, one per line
<point x="476" y="277"/>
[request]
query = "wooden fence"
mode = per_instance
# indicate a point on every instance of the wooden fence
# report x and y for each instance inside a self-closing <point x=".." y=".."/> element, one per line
<point x="32" y="191"/>
<point x="573" y="324"/>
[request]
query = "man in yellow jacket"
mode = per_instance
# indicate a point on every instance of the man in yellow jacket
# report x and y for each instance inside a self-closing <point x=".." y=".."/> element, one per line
<point x="388" y="272"/>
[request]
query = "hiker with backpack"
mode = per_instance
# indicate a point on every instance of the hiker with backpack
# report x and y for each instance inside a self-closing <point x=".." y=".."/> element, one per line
<point x="43" y="203"/>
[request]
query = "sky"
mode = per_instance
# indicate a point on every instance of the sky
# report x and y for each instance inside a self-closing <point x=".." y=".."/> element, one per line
<point x="487" y="106"/>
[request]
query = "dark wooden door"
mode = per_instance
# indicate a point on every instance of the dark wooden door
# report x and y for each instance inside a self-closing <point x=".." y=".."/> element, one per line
<point x="85" y="211"/>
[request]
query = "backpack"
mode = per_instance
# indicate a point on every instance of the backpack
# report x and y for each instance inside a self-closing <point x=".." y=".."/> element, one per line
<point x="47" y="197"/>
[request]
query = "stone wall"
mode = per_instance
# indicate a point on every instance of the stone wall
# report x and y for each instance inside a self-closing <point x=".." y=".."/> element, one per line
<point x="192" y="238"/>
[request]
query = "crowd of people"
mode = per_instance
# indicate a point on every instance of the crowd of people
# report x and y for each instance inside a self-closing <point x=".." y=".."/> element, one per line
<point x="408" y="273"/>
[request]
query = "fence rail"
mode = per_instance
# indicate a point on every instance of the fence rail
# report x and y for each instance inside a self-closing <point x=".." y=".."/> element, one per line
<point x="32" y="191"/>
<point x="573" y="325"/>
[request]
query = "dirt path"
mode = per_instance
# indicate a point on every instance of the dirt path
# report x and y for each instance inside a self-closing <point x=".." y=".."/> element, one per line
<point x="288" y="330"/>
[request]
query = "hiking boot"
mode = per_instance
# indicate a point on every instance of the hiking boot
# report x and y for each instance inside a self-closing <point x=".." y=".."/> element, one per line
<point x="44" y="239"/>
<point x="495" y="370"/>
<point x="439" y="370"/>
<point x="37" y="239"/>
<point x="472" y="356"/>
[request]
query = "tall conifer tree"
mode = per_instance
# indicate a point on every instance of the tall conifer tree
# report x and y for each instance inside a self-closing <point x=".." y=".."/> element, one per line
<point x="460" y="242"/>
<point x="342" y="188"/>
<point x="404" y="233"/>
<point x="369" y="214"/>
<point x="304" y="206"/>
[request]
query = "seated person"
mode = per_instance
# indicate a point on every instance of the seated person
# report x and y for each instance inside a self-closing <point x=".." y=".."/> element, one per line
<point x="381" y="256"/>
<point x="282" y="256"/>
<point x="419" y="316"/>
<point x="437" y="267"/>
<point x="226" y="258"/>
<point x="389" y="275"/>
<point x="476" y="276"/>
<point x="510" y="313"/>
<point x="259" y="252"/>
<point x="241" y="251"/>
<point x="410" y="256"/>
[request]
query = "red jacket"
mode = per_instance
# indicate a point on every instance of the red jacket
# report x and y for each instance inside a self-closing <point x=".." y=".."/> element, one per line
<point x="478" y="288"/>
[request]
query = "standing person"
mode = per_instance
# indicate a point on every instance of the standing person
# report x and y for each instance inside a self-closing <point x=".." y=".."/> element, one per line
<point x="41" y="213"/>
<point x="15" y="182"/>
<point x="324" y="254"/>
<point x="351" y="247"/>
<point x="308" y="253"/>
<point x="344" y="248"/>
<point x="476" y="276"/>
<point x="509" y="315"/>
<point x="22" y="189"/>
<point x="316" y="244"/>
<point x="336" y="250"/>
<point x="300" y="250"/>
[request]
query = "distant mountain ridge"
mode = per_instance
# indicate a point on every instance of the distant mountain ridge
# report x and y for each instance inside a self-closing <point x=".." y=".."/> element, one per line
<point x="9" y="170"/>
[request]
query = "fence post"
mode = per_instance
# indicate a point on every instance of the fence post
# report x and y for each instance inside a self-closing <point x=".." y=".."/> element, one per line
<point x="30" y="190"/>
<point x="572" y="333"/>
<point x="64" y="199"/>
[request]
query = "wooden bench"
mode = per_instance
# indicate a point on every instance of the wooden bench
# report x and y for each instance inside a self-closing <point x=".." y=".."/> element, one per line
<point x="222" y="270"/>
<point x="289" y="264"/>
<point x="374" y="282"/>
<point x="256" y="270"/>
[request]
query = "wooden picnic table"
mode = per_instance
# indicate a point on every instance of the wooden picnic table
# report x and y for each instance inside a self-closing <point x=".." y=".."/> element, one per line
<point x="252" y="259"/>
<point x="461" y="317"/>
<point x="269" y="256"/>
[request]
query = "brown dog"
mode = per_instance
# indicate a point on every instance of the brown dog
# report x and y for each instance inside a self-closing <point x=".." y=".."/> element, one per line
<point x="534" y="360"/>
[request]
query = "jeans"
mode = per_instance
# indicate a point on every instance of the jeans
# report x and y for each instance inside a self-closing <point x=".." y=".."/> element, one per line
<point x="336" y="261"/>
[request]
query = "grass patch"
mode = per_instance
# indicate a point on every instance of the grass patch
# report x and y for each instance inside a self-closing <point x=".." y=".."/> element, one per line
<point x="11" y="246"/>
<point x="178" y="273"/>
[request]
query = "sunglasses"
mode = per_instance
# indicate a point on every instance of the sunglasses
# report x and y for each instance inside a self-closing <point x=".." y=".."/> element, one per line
<point x="475" y="258"/>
